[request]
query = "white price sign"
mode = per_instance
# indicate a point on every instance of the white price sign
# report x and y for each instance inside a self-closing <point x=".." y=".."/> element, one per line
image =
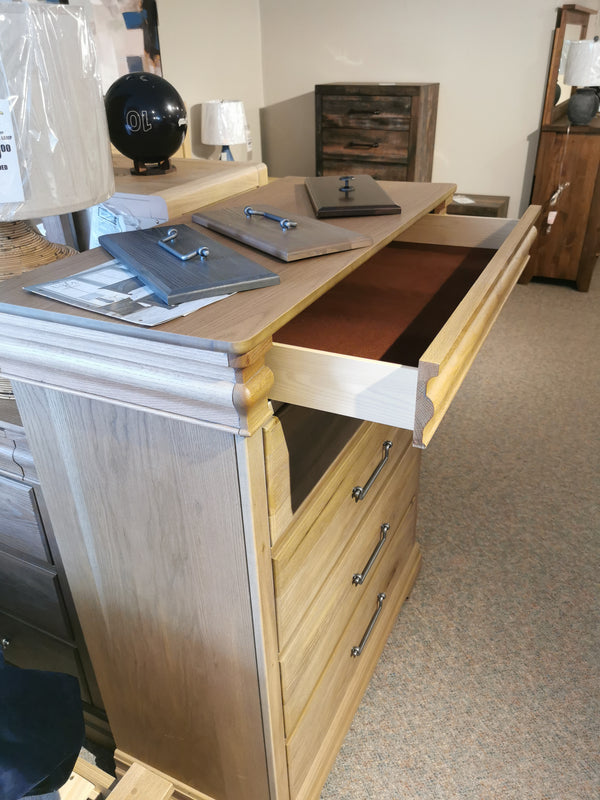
<point x="11" y="186"/>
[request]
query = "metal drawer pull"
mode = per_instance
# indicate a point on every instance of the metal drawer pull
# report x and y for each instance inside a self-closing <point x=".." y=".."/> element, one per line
<point x="203" y="252"/>
<point x="359" y="492"/>
<point x="359" y="578"/>
<point x="356" y="651"/>
<point x="5" y="643"/>
<point x="283" y="222"/>
<point x="367" y="145"/>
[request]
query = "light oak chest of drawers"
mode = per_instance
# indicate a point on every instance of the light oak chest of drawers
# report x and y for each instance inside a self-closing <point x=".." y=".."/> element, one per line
<point x="237" y="533"/>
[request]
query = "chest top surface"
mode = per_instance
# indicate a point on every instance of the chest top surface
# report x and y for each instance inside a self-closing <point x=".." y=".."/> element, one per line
<point x="242" y="321"/>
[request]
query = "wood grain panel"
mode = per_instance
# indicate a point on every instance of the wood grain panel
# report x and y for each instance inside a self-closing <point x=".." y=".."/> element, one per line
<point x="158" y="573"/>
<point x="313" y="747"/>
<point x="20" y="523"/>
<point x="309" y="552"/>
<point x="246" y="319"/>
<point x="304" y="658"/>
<point x="378" y="170"/>
<point x="32" y="594"/>
<point x="372" y="112"/>
<point x="370" y="145"/>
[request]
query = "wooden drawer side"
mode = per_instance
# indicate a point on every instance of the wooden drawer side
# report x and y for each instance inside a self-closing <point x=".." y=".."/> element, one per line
<point x="445" y="363"/>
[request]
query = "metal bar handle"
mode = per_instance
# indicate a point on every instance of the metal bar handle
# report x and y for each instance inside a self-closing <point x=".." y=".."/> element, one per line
<point x="356" y="651"/>
<point x="203" y="252"/>
<point x="284" y="223"/>
<point x="360" y="492"/>
<point x="359" y="577"/>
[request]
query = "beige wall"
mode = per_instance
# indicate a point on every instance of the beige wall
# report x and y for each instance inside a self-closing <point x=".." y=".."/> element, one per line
<point x="211" y="50"/>
<point x="489" y="56"/>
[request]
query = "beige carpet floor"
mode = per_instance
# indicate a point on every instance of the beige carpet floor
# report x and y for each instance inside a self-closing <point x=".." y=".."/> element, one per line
<point x="489" y="687"/>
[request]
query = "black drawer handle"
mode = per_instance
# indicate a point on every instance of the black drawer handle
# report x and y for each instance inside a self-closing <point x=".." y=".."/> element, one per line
<point x="359" y="577"/>
<point x="367" y="112"/>
<point x="366" y="145"/>
<point x="360" y="492"/>
<point x="357" y="650"/>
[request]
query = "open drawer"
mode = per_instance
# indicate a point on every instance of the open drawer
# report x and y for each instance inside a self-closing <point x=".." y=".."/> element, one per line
<point x="393" y="341"/>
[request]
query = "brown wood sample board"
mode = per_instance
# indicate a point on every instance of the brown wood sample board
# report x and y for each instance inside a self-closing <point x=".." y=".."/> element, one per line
<point x="309" y="237"/>
<point x="349" y="196"/>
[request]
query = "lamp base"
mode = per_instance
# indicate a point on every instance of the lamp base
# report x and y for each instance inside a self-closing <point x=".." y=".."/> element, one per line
<point x="22" y="247"/>
<point x="583" y="106"/>
<point x="226" y="154"/>
<point x="158" y="168"/>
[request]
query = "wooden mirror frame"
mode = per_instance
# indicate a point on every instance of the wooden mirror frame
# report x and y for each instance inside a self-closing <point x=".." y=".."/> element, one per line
<point x="569" y="14"/>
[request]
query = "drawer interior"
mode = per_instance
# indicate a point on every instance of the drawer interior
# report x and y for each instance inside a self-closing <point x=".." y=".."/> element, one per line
<point x="392" y="307"/>
<point x="314" y="439"/>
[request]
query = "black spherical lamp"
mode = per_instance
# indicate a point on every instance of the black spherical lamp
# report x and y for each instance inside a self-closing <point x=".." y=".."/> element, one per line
<point x="146" y="121"/>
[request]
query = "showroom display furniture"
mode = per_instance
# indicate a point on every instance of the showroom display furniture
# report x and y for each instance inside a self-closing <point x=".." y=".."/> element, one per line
<point x="234" y="493"/>
<point x="39" y="628"/>
<point x="567" y="175"/>
<point x="386" y="130"/>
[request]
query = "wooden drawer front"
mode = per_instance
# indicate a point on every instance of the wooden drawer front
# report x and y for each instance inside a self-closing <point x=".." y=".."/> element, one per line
<point x="313" y="744"/>
<point x="309" y="552"/>
<point x="416" y="316"/>
<point x="306" y="654"/>
<point x="368" y="145"/>
<point x="20" y="525"/>
<point x="381" y="171"/>
<point x="30" y="649"/>
<point x="367" y="112"/>
<point x="31" y="593"/>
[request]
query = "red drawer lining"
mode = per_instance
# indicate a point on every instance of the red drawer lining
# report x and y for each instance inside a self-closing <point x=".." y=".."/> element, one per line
<point x="392" y="306"/>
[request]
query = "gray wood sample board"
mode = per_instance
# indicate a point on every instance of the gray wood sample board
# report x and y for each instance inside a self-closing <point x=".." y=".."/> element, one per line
<point x="185" y="265"/>
<point x="265" y="229"/>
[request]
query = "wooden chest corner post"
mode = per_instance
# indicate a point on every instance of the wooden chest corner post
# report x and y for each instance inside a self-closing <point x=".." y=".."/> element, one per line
<point x="161" y="521"/>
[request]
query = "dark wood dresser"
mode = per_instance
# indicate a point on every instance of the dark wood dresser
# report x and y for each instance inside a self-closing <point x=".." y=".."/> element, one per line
<point x="386" y="130"/>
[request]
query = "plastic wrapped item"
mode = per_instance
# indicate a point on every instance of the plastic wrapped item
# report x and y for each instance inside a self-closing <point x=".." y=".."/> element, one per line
<point x="54" y="148"/>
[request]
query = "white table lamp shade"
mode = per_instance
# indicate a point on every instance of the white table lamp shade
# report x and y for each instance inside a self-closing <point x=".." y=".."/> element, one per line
<point x="51" y="93"/>
<point x="223" y="122"/>
<point x="583" y="63"/>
